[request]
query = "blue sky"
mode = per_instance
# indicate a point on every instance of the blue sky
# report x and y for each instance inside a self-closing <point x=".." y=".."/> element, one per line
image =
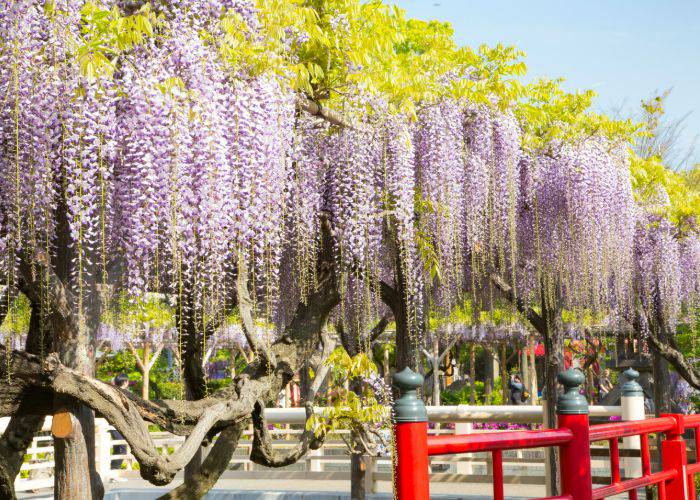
<point x="623" y="49"/>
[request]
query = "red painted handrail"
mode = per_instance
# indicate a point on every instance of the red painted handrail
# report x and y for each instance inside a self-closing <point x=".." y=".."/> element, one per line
<point x="691" y="420"/>
<point x="493" y="441"/>
<point x="693" y="468"/>
<point x="632" y="484"/>
<point x="604" y="432"/>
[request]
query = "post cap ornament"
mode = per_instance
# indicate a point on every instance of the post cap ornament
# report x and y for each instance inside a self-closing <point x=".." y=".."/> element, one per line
<point x="409" y="408"/>
<point x="631" y="387"/>
<point x="572" y="402"/>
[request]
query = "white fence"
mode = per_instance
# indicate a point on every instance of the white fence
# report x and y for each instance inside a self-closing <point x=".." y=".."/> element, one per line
<point x="329" y="462"/>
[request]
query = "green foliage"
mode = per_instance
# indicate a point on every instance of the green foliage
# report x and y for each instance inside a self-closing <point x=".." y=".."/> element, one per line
<point x="584" y="317"/>
<point x="105" y="34"/>
<point x="668" y="193"/>
<point x="134" y="314"/>
<point x="348" y="409"/>
<point x="687" y="337"/>
<point x="674" y="195"/>
<point x="548" y="114"/>
<point x="17" y="320"/>
<point x="462" y="396"/>
<point x="328" y="47"/>
<point x="346" y="368"/>
<point x="380" y="348"/>
<point x="115" y="363"/>
<point x="463" y="314"/>
<point x="163" y="380"/>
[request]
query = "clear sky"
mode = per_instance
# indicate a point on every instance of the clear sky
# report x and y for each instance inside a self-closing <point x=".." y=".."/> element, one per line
<point x="625" y="50"/>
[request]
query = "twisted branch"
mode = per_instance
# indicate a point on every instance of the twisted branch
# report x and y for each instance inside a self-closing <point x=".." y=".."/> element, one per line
<point x="262" y="452"/>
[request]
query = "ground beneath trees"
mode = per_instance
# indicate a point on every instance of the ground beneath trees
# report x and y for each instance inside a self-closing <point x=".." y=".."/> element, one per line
<point x="461" y="491"/>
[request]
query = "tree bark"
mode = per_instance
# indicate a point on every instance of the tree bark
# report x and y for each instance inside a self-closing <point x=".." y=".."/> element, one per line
<point x="75" y="474"/>
<point x="358" y="491"/>
<point x="407" y="347"/>
<point x="504" y="375"/>
<point x="73" y="457"/>
<point x="436" y="371"/>
<point x="73" y="321"/>
<point x="195" y="383"/>
<point x="212" y="467"/>
<point x="146" y="370"/>
<point x="554" y="352"/>
<point x="21" y="429"/>
<point x="472" y="373"/>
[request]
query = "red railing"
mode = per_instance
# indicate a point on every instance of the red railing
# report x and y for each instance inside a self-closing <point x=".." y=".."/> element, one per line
<point x="573" y="436"/>
<point x="496" y="442"/>
<point x="613" y="432"/>
<point x="691" y="422"/>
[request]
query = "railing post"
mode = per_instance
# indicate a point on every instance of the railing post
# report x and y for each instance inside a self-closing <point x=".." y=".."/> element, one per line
<point x="575" y="457"/>
<point x="464" y="428"/>
<point x="103" y="449"/>
<point x="632" y="401"/>
<point x="411" y="439"/>
<point x="314" y="463"/>
<point x="673" y="457"/>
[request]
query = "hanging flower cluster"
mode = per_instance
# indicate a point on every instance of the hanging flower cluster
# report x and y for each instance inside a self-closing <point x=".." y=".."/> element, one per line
<point x="440" y="172"/>
<point x="577" y="225"/>
<point x="468" y="170"/>
<point x="658" y="268"/>
<point x="690" y="267"/>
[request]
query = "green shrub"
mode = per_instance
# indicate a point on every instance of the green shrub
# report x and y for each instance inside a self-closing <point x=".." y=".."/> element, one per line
<point x="461" y="396"/>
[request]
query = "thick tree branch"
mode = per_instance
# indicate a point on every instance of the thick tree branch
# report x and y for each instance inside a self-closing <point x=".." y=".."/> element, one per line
<point x="389" y="295"/>
<point x="199" y="419"/>
<point x="32" y="268"/>
<point x="321" y="369"/>
<point x="245" y="308"/>
<point x="379" y="328"/>
<point x="530" y="314"/>
<point x="316" y="109"/>
<point x="214" y="465"/>
<point x="686" y="369"/>
<point x="137" y="357"/>
<point x="125" y="416"/>
<point x="21" y="429"/>
<point x="155" y="355"/>
<point x="263" y="453"/>
<point x="297" y="344"/>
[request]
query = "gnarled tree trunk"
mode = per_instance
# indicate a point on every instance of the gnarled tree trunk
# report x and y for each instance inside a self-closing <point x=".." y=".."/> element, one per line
<point x="21" y="429"/>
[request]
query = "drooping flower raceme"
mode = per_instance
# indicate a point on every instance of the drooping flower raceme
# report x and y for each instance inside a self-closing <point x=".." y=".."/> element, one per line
<point x="578" y="221"/>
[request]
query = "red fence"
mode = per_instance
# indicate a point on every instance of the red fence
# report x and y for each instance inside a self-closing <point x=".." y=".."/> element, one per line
<point x="572" y="436"/>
